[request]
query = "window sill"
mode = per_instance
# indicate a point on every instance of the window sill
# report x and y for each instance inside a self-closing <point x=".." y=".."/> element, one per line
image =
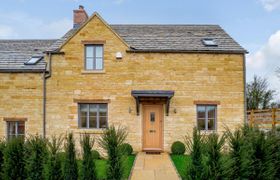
<point x="91" y="131"/>
<point x="207" y="132"/>
<point x="93" y="72"/>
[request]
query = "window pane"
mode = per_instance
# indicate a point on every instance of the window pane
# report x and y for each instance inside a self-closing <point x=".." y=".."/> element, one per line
<point x="83" y="121"/>
<point x="89" y="63"/>
<point x="103" y="110"/>
<point x="211" y="124"/>
<point x="92" y="122"/>
<point x="92" y="110"/>
<point x="21" y="128"/>
<point x="99" y="51"/>
<point x="83" y="110"/>
<point x="102" y="122"/>
<point x="211" y="111"/>
<point x="201" y="112"/>
<point x="11" y="128"/>
<point x="99" y="63"/>
<point x="89" y="51"/>
<point x="201" y="124"/>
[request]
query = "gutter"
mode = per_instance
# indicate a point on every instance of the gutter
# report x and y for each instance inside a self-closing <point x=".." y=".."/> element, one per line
<point x="46" y="76"/>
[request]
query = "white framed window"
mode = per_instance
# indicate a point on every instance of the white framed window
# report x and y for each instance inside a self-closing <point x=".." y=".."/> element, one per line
<point x="93" y="116"/>
<point x="206" y="117"/>
<point x="15" y="129"/>
<point x="94" y="57"/>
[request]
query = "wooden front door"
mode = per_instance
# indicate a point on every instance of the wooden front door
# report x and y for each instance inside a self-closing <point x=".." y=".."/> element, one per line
<point x="152" y="127"/>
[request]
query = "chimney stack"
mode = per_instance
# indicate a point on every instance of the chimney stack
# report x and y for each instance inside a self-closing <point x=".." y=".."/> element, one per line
<point x="79" y="16"/>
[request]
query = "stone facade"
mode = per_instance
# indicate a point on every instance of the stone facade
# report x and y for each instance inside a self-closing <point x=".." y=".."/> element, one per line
<point x="21" y="97"/>
<point x="192" y="76"/>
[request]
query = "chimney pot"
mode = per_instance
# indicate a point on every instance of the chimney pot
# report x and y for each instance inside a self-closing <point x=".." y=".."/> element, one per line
<point x="79" y="16"/>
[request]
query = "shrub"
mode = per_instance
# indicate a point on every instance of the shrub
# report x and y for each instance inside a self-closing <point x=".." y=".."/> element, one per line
<point x="53" y="167"/>
<point x="88" y="166"/>
<point x="95" y="154"/>
<point x="14" y="159"/>
<point x="70" y="169"/>
<point x="111" y="140"/>
<point x="2" y="149"/>
<point x="195" y="147"/>
<point x="126" y="149"/>
<point x="238" y="163"/>
<point x="178" y="148"/>
<point x="214" y="164"/>
<point x="35" y="156"/>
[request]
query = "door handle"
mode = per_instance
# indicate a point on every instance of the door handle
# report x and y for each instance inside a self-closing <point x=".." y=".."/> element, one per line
<point x="152" y="131"/>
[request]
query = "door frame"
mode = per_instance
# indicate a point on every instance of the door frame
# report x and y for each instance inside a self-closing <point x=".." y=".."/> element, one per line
<point x="161" y="105"/>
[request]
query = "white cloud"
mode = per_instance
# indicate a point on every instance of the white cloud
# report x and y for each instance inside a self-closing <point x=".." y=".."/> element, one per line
<point x="23" y="25"/>
<point x="270" y="5"/>
<point x="265" y="61"/>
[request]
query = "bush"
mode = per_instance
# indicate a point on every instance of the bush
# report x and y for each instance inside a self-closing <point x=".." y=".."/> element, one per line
<point x="214" y="163"/>
<point x="70" y="169"/>
<point x="88" y="166"/>
<point x="111" y="140"/>
<point x="196" y="147"/>
<point x="2" y="149"/>
<point x="178" y="148"/>
<point x="95" y="154"/>
<point x="35" y="157"/>
<point x="126" y="149"/>
<point x="14" y="165"/>
<point x="53" y="167"/>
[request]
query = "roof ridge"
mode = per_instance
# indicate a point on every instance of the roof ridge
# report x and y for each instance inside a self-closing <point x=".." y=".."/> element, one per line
<point x="164" y="25"/>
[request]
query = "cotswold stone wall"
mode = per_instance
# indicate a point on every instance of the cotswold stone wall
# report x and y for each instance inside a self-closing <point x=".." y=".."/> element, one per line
<point x="193" y="77"/>
<point x="21" y="98"/>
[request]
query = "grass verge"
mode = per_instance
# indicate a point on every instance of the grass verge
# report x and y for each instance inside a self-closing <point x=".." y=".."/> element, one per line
<point x="181" y="162"/>
<point x="101" y="167"/>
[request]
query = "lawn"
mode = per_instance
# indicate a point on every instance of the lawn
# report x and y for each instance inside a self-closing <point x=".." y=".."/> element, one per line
<point x="181" y="162"/>
<point x="101" y="167"/>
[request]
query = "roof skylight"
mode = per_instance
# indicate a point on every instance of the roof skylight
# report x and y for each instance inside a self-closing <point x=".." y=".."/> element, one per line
<point x="209" y="42"/>
<point x="33" y="60"/>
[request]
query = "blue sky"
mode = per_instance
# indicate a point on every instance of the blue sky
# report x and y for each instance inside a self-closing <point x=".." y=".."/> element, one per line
<point x="255" y="24"/>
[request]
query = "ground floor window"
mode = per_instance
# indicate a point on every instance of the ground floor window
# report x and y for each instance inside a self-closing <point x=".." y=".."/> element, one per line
<point x="206" y="117"/>
<point x="15" y="129"/>
<point x="93" y="116"/>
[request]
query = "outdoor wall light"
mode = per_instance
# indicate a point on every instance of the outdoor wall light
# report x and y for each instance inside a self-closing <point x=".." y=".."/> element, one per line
<point x="175" y="110"/>
<point x="129" y="110"/>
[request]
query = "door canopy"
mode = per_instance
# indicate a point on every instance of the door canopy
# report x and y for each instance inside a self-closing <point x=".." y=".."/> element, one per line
<point x="154" y="96"/>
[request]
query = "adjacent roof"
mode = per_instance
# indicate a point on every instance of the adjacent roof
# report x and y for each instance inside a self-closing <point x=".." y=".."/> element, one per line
<point x="14" y="53"/>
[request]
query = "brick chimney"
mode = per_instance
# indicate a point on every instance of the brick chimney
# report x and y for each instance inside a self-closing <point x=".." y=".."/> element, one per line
<point x="79" y="16"/>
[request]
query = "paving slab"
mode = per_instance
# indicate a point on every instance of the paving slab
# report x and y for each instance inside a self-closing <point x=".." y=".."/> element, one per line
<point x="153" y="167"/>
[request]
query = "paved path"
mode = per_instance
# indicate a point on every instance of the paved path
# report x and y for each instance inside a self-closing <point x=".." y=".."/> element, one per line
<point x="153" y="167"/>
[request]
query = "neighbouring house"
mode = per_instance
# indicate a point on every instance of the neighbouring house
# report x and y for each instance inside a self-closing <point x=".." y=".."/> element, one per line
<point x="157" y="80"/>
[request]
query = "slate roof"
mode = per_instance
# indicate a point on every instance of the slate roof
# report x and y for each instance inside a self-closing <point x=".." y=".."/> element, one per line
<point x="169" y="38"/>
<point x="140" y="38"/>
<point x="14" y="53"/>
<point x="174" y="38"/>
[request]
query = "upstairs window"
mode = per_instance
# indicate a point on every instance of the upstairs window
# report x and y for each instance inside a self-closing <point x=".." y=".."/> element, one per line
<point x="15" y="129"/>
<point x="206" y="117"/>
<point x="94" y="57"/>
<point x="93" y="116"/>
